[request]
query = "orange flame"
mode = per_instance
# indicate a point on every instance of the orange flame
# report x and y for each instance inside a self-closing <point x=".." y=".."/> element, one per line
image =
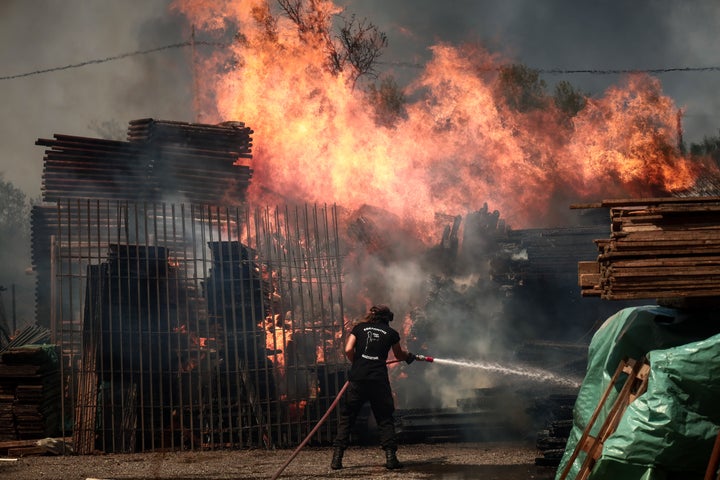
<point x="458" y="146"/>
<point x="626" y="137"/>
<point x="277" y="337"/>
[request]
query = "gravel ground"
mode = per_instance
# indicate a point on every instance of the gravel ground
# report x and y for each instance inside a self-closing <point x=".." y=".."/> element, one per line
<point x="501" y="461"/>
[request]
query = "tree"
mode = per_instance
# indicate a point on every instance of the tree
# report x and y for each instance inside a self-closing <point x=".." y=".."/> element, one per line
<point x="568" y="99"/>
<point x="361" y="46"/>
<point x="357" y="45"/>
<point x="14" y="211"/>
<point x="709" y="147"/>
<point x="15" y="249"/>
<point x="388" y="100"/>
<point x="522" y="88"/>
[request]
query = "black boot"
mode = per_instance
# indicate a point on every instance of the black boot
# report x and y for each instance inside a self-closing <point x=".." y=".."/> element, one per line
<point x="336" y="463"/>
<point x="391" y="461"/>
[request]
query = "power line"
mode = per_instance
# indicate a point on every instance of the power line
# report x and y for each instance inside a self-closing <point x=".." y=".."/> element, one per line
<point x="113" y="58"/>
<point x="593" y="71"/>
<point x="550" y="71"/>
<point x="629" y="70"/>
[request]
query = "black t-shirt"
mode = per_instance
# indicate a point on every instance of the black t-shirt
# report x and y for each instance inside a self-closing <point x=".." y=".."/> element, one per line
<point x="373" y="342"/>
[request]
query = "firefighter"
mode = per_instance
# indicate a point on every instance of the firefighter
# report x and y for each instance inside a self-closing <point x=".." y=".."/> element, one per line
<point x="367" y="349"/>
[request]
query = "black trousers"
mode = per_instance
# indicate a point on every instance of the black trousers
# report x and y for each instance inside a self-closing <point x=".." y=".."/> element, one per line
<point x="379" y="394"/>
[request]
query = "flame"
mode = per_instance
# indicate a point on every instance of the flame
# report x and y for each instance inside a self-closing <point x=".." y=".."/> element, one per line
<point x="296" y="410"/>
<point x="457" y="147"/>
<point x="277" y="337"/>
<point x="201" y="343"/>
<point x="626" y="136"/>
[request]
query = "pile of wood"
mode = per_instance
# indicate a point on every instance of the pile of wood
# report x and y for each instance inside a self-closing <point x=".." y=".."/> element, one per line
<point x="658" y="248"/>
<point x="552" y="439"/>
<point x="7" y="420"/>
<point x="198" y="163"/>
<point x="161" y="161"/>
<point x="29" y="392"/>
<point x="227" y="137"/>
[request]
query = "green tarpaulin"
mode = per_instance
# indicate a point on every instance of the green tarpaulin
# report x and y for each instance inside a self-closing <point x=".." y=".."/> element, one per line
<point x="669" y="431"/>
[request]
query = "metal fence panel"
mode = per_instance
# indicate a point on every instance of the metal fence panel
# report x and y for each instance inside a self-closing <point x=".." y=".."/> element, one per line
<point x="196" y="327"/>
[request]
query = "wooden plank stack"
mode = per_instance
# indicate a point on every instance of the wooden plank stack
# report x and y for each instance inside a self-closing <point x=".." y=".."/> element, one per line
<point x="29" y="392"/>
<point x="91" y="167"/>
<point x="658" y="248"/>
<point x="162" y="160"/>
<point x="227" y="137"/>
<point x="7" y="420"/>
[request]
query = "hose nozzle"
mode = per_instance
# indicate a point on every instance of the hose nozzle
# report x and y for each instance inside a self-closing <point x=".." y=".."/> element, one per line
<point x="423" y="358"/>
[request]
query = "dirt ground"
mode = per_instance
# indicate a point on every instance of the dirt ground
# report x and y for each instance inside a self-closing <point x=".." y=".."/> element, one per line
<point x="447" y="461"/>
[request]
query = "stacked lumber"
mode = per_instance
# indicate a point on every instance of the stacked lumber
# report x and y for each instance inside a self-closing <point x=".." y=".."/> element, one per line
<point x="229" y="136"/>
<point x="198" y="162"/>
<point x="552" y="439"/>
<point x="9" y="384"/>
<point x="194" y="162"/>
<point x="86" y="167"/>
<point x="161" y="162"/>
<point x="7" y="421"/>
<point x="658" y="248"/>
<point x="30" y="386"/>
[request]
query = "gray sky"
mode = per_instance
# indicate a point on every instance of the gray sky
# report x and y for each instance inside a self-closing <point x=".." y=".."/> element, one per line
<point x="43" y="34"/>
<point x="547" y="34"/>
<point x="576" y="35"/>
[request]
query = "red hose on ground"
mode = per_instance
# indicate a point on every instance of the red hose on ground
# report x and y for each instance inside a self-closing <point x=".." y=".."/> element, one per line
<point x="315" y="429"/>
<point x="312" y="432"/>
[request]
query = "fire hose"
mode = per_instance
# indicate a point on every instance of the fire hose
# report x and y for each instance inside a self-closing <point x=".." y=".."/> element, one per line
<point x="422" y="358"/>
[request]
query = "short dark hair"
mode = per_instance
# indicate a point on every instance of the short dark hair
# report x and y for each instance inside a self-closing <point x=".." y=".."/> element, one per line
<point x="381" y="313"/>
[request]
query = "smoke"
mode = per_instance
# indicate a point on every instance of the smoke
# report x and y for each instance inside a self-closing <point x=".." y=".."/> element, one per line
<point x="456" y="314"/>
<point x="445" y="303"/>
<point x="563" y="34"/>
<point x="95" y="101"/>
<point x="48" y="34"/>
<point x="457" y="145"/>
<point x="469" y="324"/>
<point x="558" y="34"/>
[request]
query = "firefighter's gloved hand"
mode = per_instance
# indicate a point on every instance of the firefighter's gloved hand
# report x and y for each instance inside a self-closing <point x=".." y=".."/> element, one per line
<point x="410" y="358"/>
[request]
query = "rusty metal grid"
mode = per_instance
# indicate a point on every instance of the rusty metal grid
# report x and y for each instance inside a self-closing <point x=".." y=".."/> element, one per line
<point x="196" y="327"/>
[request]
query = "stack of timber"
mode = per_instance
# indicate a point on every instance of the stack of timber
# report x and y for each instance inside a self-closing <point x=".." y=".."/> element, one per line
<point x="227" y="136"/>
<point x="29" y="392"/>
<point x="90" y="167"/>
<point x="552" y="439"/>
<point x="197" y="163"/>
<point x="658" y="248"/>
<point x="85" y="180"/>
<point x="7" y="421"/>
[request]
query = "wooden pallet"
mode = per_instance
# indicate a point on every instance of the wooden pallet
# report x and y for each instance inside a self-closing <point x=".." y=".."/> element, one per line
<point x="635" y="385"/>
<point x="7" y="446"/>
